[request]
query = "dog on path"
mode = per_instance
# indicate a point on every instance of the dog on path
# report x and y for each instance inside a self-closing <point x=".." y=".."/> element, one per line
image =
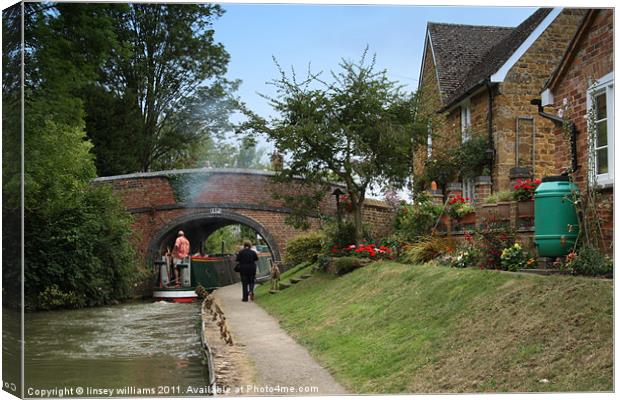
<point x="275" y="276"/>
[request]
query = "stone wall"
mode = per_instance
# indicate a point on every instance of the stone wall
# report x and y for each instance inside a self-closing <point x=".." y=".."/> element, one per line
<point x="429" y="101"/>
<point x="523" y="83"/>
<point x="591" y="59"/>
<point x="511" y="102"/>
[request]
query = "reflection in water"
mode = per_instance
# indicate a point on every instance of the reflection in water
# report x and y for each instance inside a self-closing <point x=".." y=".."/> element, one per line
<point x="141" y="345"/>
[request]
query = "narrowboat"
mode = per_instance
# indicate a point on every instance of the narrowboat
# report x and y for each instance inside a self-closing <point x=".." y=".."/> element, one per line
<point x="210" y="272"/>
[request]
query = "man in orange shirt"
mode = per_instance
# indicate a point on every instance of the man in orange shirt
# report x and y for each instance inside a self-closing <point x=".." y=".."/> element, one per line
<point x="180" y="252"/>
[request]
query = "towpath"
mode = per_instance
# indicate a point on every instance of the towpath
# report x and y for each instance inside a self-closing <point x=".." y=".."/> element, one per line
<point x="278" y="359"/>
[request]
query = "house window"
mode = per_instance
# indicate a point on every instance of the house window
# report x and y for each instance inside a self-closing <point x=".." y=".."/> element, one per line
<point x="468" y="185"/>
<point x="465" y="121"/>
<point x="469" y="189"/>
<point x="429" y="142"/>
<point x="601" y="106"/>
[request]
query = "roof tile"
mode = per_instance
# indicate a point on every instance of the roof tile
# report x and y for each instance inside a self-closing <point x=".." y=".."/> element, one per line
<point x="466" y="55"/>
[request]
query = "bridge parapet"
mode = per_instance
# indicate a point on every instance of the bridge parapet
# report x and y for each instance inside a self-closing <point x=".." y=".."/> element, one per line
<point x="165" y="201"/>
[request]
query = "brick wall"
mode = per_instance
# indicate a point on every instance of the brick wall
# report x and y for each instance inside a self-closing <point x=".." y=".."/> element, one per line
<point x="380" y="218"/>
<point x="591" y="59"/>
<point x="153" y="199"/>
<point x="143" y="192"/>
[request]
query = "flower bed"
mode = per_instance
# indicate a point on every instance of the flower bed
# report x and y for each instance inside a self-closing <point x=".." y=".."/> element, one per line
<point x="363" y="251"/>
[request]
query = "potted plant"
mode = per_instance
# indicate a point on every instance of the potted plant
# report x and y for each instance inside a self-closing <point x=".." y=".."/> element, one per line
<point x="524" y="195"/>
<point x="461" y="210"/>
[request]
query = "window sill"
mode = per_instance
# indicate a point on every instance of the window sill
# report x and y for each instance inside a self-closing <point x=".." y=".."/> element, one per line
<point x="605" y="183"/>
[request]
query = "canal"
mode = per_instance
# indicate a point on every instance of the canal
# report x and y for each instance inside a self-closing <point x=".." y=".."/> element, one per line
<point x="128" y="348"/>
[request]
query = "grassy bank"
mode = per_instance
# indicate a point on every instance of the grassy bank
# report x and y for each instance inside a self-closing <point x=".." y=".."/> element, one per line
<point x="394" y="328"/>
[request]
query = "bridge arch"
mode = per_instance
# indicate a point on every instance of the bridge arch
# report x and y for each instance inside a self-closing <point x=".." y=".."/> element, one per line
<point x="163" y="201"/>
<point x="211" y="222"/>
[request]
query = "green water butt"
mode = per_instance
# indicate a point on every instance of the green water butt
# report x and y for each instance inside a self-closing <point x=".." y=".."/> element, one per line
<point x="556" y="226"/>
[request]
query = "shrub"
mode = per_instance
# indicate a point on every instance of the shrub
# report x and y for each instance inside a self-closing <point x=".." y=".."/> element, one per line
<point x="393" y="242"/>
<point x="473" y="156"/>
<point x="491" y="199"/>
<point x="589" y="261"/>
<point x="79" y="246"/>
<point x="463" y="259"/>
<point x="344" y="265"/>
<point x="501" y="196"/>
<point x="323" y="263"/>
<point x="504" y="195"/>
<point x="426" y="249"/>
<point x="417" y="219"/>
<point x="341" y="235"/>
<point x="52" y="298"/>
<point x="441" y="168"/>
<point x="304" y="248"/>
<point x="513" y="258"/>
<point x="490" y="240"/>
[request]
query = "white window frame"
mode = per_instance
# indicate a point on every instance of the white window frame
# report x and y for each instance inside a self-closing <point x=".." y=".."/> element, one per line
<point x="429" y="141"/>
<point x="465" y="121"/>
<point x="604" y="85"/>
<point x="468" y="185"/>
<point x="469" y="190"/>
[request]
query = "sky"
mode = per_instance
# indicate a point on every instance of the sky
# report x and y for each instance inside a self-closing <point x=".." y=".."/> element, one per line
<point x="322" y="35"/>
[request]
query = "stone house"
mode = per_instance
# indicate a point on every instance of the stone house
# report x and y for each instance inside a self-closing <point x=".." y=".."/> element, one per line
<point x="479" y="81"/>
<point x="581" y="92"/>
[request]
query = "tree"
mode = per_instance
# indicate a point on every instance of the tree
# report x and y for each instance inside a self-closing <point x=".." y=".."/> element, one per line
<point x="11" y="154"/>
<point x="360" y="128"/>
<point x="224" y="154"/>
<point x="161" y="90"/>
<point x="232" y="236"/>
<point x="77" y="249"/>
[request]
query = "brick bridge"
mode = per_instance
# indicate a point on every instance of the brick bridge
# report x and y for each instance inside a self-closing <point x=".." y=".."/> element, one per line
<point x="201" y="201"/>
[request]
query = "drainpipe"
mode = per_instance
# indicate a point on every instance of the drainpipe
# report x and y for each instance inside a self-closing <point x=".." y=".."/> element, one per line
<point x="560" y="121"/>
<point x="491" y="149"/>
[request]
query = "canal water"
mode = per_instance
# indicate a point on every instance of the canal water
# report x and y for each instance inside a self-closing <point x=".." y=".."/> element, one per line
<point x="132" y="349"/>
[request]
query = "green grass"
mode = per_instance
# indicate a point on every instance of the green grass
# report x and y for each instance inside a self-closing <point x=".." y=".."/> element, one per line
<point x="297" y="271"/>
<point x="394" y="328"/>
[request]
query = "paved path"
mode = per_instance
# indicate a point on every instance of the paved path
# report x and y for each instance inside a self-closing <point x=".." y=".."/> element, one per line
<point x="279" y="360"/>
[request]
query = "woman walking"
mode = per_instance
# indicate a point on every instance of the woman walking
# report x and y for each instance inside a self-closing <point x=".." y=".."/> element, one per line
<point x="247" y="268"/>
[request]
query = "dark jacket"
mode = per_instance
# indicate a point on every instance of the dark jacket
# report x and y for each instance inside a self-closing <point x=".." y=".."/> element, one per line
<point x="247" y="261"/>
